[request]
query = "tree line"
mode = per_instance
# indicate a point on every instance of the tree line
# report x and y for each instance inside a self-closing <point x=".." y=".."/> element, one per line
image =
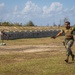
<point x="30" y="23"/>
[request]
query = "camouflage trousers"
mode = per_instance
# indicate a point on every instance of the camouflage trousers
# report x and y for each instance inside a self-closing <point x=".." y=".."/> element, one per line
<point x="68" y="44"/>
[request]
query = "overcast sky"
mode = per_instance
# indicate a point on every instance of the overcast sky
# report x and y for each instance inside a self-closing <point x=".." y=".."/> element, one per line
<point x="40" y="12"/>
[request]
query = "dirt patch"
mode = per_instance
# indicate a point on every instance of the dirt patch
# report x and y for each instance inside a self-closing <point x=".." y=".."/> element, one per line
<point x="30" y="48"/>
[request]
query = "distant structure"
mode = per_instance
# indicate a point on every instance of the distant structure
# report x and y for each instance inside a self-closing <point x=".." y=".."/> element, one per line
<point x="29" y="34"/>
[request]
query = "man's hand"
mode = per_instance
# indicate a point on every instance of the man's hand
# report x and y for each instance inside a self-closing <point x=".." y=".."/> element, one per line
<point x="53" y="37"/>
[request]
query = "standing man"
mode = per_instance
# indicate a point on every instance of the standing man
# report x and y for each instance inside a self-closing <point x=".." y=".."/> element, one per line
<point x="69" y="39"/>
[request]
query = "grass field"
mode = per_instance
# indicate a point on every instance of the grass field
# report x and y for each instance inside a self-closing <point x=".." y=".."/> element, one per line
<point x="34" y="41"/>
<point x="37" y="63"/>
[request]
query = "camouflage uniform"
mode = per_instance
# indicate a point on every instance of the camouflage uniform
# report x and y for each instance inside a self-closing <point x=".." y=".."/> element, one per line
<point x="69" y="40"/>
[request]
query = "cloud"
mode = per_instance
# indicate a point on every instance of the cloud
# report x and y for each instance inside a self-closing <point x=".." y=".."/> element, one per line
<point x="55" y="6"/>
<point x="2" y="5"/>
<point x="31" y="8"/>
<point x="15" y="11"/>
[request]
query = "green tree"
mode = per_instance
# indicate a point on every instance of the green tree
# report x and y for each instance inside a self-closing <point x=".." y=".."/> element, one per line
<point x="5" y="23"/>
<point x="30" y="23"/>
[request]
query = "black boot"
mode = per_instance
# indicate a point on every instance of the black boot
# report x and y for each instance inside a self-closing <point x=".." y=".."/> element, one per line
<point x="66" y="60"/>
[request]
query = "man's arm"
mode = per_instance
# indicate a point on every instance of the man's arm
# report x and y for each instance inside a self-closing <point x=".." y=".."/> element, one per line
<point x="61" y="32"/>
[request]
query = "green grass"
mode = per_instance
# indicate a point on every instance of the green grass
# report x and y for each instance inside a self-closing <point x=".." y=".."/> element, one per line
<point x="34" y="41"/>
<point x="41" y="63"/>
<point x="38" y="63"/>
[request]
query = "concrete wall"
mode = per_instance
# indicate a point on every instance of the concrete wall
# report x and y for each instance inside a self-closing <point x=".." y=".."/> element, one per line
<point x="29" y="34"/>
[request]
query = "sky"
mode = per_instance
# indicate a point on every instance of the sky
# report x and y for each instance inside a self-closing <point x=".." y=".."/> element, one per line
<point x="40" y="12"/>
